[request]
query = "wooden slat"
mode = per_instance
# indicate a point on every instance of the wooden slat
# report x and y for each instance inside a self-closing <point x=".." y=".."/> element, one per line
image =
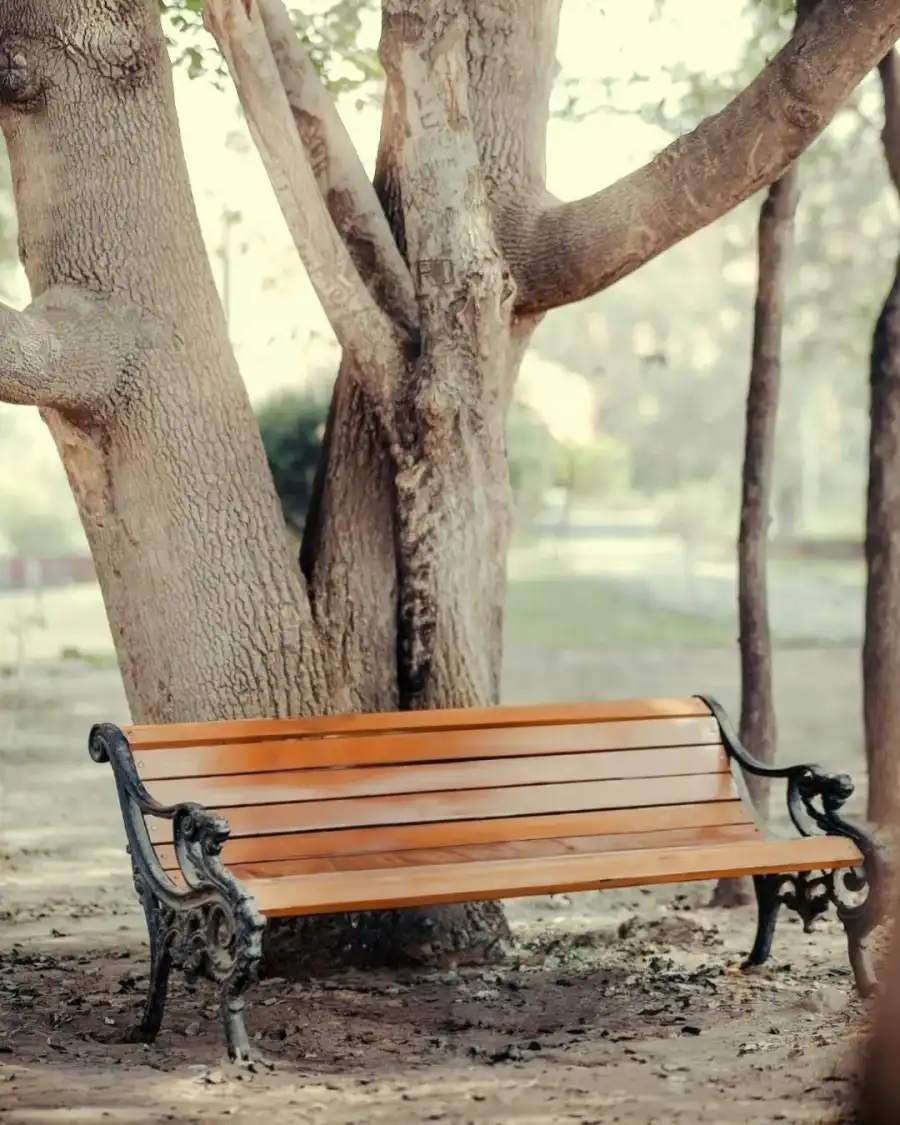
<point x="148" y="737"/>
<point x="524" y="800"/>
<point x="454" y="833"/>
<point x="512" y="849"/>
<point x="234" y="791"/>
<point x="493" y="879"/>
<point x="456" y="744"/>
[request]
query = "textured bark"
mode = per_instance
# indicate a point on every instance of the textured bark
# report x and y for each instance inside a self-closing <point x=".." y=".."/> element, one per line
<point x="414" y="478"/>
<point x="878" y="1091"/>
<point x="881" y="644"/>
<point x="150" y="415"/>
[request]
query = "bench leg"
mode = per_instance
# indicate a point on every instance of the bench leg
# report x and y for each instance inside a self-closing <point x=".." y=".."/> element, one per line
<point x="861" y="961"/>
<point x="160" y="968"/>
<point x="860" y="915"/>
<point x="768" y="906"/>
<point x="810" y="894"/>
<point x="235" y="1032"/>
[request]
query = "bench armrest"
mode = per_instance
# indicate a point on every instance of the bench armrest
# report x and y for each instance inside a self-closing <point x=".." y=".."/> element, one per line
<point x="198" y="836"/>
<point x="815" y="797"/>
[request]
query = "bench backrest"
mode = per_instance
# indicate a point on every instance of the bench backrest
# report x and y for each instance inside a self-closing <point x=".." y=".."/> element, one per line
<point x="644" y="773"/>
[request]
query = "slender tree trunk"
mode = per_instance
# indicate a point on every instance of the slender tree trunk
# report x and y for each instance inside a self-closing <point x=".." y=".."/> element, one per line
<point x="878" y="1093"/>
<point x="757" y="723"/>
<point x="881" y="644"/>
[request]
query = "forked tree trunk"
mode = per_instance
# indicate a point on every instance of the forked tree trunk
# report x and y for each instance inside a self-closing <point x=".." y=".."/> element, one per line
<point x="881" y="644"/>
<point x="399" y="599"/>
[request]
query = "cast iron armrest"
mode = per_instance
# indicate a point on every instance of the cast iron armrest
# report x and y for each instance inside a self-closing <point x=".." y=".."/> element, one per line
<point x="815" y="796"/>
<point x="198" y="835"/>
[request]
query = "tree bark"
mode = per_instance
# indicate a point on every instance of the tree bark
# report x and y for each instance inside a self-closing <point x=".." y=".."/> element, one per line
<point x="881" y="643"/>
<point x="151" y="418"/>
<point x="416" y="482"/>
<point x="878" y="1091"/>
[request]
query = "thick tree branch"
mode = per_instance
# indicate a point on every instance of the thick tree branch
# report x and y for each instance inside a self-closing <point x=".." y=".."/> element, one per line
<point x="573" y="250"/>
<point x="66" y="351"/>
<point x="362" y="328"/>
<point x="29" y="361"/>
<point x="889" y="73"/>
<point x="343" y="184"/>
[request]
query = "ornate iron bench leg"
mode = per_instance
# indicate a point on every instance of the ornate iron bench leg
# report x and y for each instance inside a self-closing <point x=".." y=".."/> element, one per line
<point x="768" y="906"/>
<point x="209" y="926"/>
<point x="235" y="1031"/>
<point x="815" y="802"/>
<point x="160" y="968"/>
<point x="861" y="963"/>
<point x="860" y="918"/>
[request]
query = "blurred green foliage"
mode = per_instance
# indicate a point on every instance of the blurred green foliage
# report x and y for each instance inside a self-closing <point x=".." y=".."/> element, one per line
<point x="331" y="33"/>
<point x="32" y="530"/>
<point x="596" y="471"/>
<point x="532" y="452"/>
<point x="292" y="425"/>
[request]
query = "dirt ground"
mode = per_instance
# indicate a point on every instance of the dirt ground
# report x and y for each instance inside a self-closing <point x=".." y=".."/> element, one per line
<point x="621" y="1007"/>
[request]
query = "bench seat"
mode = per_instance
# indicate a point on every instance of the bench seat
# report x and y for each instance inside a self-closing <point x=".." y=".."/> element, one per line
<point x="298" y="888"/>
<point x="232" y="822"/>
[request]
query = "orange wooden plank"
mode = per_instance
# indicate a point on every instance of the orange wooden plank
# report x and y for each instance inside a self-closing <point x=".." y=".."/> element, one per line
<point x="511" y="849"/>
<point x="457" y="744"/>
<point x="453" y="833"/>
<point x="147" y="737"/>
<point x="233" y="791"/>
<point x="494" y="879"/>
<point x="525" y="800"/>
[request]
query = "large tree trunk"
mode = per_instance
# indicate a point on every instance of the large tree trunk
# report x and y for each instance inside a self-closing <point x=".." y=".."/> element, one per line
<point x="399" y="599"/>
<point x="881" y="644"/>
<point x="154" y="426"/>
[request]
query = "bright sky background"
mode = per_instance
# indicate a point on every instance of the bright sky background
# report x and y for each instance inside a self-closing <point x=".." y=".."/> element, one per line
<point x="278" y="329"/>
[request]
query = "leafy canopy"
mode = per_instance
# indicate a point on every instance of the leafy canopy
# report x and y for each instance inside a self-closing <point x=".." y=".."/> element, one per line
<point x="332" y="34"/>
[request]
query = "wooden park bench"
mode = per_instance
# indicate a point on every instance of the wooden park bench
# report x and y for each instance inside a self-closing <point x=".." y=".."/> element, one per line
<point x="361" y="812"/>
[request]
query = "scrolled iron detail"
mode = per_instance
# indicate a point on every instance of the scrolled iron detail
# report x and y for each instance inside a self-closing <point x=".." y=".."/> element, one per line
<point x="212" y="927"/>
<point x="815" y="800"/>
